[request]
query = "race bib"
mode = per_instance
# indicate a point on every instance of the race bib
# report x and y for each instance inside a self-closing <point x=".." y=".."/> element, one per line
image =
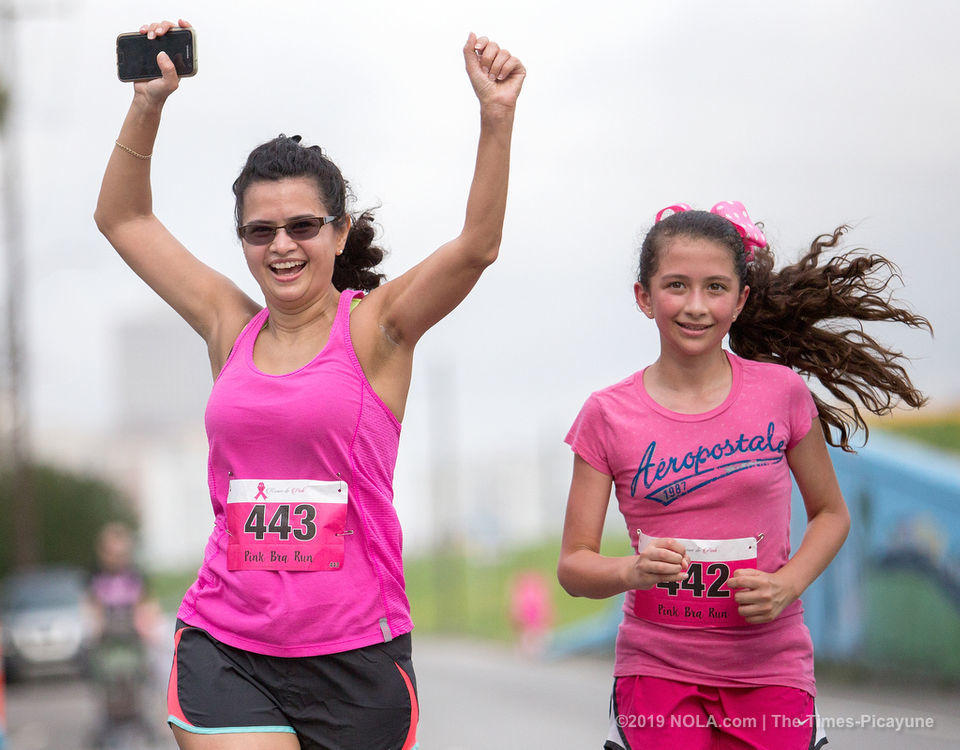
<point x="703" y="599"/>
<point x="286" y="524"/>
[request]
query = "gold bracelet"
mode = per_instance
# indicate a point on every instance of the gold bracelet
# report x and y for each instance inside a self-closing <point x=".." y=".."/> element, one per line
<point x="132" y="152"/>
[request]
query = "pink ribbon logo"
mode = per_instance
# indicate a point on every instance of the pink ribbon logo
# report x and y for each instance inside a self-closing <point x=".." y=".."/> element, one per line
<point x="260" y="493"/>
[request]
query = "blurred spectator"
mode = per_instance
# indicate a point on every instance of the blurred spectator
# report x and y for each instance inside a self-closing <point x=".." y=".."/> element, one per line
<point x="531" y="609"/>
<point x="124" y="618"/>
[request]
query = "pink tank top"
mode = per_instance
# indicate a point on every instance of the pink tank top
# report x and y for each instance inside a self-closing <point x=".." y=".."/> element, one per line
<point x="305" y="554"/>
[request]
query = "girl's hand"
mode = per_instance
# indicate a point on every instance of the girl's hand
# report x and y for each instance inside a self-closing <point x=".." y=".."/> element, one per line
<point x="496" y="75"/>
<point x="762" y="596"/>
<point x="662" y="561"/>
<point x="155" y="91"/>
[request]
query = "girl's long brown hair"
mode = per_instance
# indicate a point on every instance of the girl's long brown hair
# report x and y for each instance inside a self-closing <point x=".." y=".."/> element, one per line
<point x="809" y="316"/>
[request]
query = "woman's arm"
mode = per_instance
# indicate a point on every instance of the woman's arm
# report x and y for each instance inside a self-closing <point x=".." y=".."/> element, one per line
<point x="203" y="297"/>
<point x="410" y="304"/>
<point x="582" y="570"/>
<point x="763" y="595"/>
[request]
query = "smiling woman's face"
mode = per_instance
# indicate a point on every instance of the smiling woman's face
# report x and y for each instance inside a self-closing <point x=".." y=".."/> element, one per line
<point x="290" y="273"/>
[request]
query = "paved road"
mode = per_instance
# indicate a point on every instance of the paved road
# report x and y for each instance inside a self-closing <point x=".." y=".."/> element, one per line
<point x="60" y="715"/>
<point x="479" y="695"/>
<point x="476" y="696"/>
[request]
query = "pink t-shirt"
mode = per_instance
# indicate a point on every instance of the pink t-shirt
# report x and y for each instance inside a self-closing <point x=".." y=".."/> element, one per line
<point x="305" y="554"/>
<point x="716" y="476"/>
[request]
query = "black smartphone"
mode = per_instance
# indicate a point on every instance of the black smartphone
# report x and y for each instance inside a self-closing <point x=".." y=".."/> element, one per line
<point x="137" y="55"/>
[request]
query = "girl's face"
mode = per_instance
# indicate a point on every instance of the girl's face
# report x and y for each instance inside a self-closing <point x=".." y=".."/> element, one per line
<point x="292" y="274"/>
<point x="694" y="296"/>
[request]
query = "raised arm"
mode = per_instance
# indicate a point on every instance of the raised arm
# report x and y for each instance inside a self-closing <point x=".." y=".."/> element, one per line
<point x="410" y="304"/>
<point x="207" y="300"/>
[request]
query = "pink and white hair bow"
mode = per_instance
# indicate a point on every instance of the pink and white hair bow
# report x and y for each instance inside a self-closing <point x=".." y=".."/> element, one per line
<point x="734" y="212"/>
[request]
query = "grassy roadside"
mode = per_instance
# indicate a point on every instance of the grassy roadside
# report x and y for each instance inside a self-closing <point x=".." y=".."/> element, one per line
<point x="939" y="430"/>
<point x="472" y="595"/>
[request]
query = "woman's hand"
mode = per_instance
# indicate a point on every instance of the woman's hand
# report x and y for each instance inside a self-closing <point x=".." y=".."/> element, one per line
<point x="661" y="561"/>
<point x="496" y="75"/>
<point x="762" y="596"/>
<point x="154" y="92"/>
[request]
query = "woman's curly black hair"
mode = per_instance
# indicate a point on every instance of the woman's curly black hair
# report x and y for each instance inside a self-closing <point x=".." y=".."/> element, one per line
<point x="284" y="156"/>
<point x="809" y="316"/>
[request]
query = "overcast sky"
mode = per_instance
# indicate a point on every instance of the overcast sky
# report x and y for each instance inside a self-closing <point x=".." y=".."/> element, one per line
<point x="812" y="113"/>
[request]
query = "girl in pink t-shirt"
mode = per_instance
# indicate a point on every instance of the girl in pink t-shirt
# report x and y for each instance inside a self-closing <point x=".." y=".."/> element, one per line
<point x="700" y="447"/>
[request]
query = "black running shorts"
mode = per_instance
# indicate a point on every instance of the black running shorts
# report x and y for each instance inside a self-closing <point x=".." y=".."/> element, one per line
<point x="361" y="698"/>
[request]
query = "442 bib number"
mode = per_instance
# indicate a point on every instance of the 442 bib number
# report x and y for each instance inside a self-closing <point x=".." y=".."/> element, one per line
<point x="702" y="599"/>
<point x="717" y="573"/>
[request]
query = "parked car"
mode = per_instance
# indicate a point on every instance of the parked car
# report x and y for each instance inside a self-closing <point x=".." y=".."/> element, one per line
<point x="47" y="627"/>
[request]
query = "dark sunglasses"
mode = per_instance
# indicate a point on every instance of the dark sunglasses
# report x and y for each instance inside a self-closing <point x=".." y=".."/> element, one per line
<point x="304" y="228"/>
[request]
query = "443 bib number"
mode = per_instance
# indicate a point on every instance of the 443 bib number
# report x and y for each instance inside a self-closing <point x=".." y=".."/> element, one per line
<point x="286" y="524"/>
<point x="303" y="528"/>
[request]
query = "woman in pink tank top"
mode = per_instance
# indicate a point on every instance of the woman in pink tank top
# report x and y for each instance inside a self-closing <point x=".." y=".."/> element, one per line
<point x="296" y="632"/>
<point x="700" y="448"/>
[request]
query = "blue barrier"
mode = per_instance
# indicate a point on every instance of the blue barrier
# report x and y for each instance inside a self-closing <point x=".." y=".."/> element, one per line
<point x="890" y="600"/>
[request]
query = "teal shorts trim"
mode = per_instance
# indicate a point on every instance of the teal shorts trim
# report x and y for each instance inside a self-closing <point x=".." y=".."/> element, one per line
<point x="226" y="730"/>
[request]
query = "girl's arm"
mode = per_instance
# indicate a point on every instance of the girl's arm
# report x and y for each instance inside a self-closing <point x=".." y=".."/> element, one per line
<point x="410" y="304"/>
<point x="582" y="570"/>
<point x="763" y="596"/>
<point x="203" y="297"/>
